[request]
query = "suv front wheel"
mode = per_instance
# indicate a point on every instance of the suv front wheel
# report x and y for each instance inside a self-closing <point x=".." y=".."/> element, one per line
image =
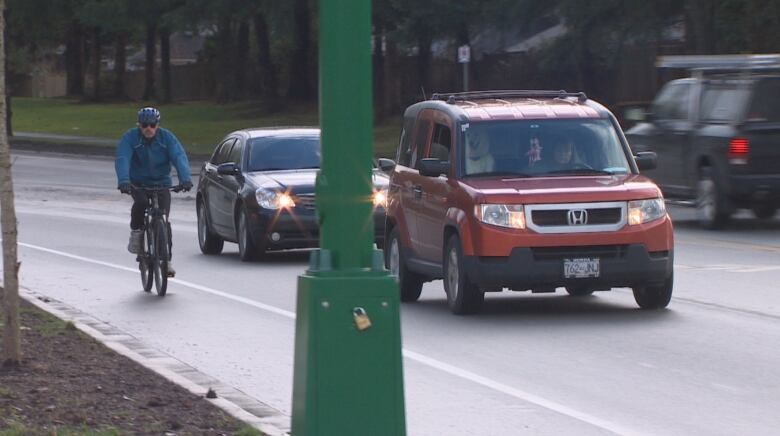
<point x="654" y="297"/>
<point x="463" y="296"/>
<point x="409" y="282"/>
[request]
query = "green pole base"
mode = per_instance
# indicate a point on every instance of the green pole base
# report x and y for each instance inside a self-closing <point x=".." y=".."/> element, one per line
<point x="348" y="377"/>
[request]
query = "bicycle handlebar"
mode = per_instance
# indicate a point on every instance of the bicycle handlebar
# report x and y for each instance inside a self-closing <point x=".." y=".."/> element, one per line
<point x="176" y="188"/>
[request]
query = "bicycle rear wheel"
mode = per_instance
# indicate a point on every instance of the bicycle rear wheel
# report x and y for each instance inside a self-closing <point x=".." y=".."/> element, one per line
<point x="144" y="262"/>
<point x="160" y="258"/>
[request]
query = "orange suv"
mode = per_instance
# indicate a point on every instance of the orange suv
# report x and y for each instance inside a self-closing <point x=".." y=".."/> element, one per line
<point x="525" y="190"/>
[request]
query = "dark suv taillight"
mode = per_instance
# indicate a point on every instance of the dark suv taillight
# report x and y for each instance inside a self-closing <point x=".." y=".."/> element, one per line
<point x="739" y="148"/>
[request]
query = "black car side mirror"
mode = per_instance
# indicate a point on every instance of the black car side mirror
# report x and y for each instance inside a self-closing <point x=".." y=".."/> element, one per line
<point x="228" y="169"/>
<point x="386" y="165"/>
<point x="646" y="160"/>
<point x="431" y="167"/>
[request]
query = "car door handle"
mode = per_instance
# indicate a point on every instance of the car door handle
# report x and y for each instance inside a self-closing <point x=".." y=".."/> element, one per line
<point x="418" y="191"/>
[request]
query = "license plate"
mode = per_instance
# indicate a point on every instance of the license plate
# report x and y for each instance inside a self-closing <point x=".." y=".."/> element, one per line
<point x="582" y="267"/>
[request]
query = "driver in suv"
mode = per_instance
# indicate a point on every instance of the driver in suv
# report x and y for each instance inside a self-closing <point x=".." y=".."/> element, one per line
<point x="523" y="190"/>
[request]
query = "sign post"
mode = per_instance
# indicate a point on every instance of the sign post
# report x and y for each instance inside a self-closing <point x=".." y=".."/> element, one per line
<point x="464" y="58"/>
<point x="348" y="377"/>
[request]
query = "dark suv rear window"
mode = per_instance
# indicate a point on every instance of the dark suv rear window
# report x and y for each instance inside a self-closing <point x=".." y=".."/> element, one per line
<point x="764" y="106"/>
<point x="723" y="103"/>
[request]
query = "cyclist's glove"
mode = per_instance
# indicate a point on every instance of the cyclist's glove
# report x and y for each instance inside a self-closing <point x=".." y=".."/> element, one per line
<point x="186" y="186"/>
<point x="124" y="188"/>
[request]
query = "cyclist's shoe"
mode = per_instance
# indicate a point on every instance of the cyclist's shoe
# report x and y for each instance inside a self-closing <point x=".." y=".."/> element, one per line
<point x="171" y="271"/>
<point x="136" y="243"/>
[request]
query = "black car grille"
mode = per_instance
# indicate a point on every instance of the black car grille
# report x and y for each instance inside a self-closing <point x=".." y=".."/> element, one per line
<point x="600" y="251"/>
<point x="559" y="217"/>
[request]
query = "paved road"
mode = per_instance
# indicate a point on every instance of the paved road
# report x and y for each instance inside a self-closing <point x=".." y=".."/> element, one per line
<point x="543" y="364"/>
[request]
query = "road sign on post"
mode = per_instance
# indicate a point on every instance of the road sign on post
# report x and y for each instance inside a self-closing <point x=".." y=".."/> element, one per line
<point x="348" y="376"/>
<point x="464" y="57"/>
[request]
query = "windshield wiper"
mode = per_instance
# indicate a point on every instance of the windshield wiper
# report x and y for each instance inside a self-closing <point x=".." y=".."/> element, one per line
<point x="500" y="173"/>
<point x="581" y="171"/>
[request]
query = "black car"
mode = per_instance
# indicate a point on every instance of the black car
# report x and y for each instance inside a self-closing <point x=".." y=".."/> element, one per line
<point x="258" y="190"/>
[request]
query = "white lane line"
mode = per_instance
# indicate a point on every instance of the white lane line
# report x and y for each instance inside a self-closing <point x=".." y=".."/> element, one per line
<point x="411" y="355"/>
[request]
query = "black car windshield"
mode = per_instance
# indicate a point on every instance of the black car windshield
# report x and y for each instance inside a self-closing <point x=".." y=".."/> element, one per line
<point x="559" y="147"/>
<point x="284" y="153"/>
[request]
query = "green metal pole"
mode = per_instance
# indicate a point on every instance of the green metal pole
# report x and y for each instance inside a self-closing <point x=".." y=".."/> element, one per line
<point x="348" y="377"/>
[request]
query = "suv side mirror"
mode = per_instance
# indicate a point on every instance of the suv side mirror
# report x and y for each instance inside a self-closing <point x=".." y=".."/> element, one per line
<point x="386" y="165"/>
<point x="646" y="160"/>
<point x="432" y="167"/>
<point x="228" y="169"/>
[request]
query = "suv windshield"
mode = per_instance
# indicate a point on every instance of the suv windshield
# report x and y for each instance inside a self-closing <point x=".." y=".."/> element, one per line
<point x="542" y="147"/>
<point x="284" y="153"/>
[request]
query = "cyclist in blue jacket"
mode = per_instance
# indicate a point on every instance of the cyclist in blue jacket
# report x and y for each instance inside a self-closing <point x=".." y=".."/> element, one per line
<point x="144" y="157"/>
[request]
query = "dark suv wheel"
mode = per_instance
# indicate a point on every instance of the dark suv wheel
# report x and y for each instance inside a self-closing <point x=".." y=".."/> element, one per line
<point x="463" y="296"/>
<point x="711" y="209"/>
<point x="409" y="282"/>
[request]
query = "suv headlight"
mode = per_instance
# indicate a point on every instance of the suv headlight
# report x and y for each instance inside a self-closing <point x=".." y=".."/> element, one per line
<point x="379" y="198"/>
<point x="503" y="215"/>
<point x="642" y="211"/>
<point x="270" y="199"/>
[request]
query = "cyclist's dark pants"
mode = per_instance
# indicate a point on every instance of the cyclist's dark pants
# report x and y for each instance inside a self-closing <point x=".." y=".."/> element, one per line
<point x="139" y="206"/>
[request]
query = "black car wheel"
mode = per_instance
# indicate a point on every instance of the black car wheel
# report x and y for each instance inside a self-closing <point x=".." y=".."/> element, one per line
<point x="463" y="296"/>
<point x="247" y="250"/>
<point x="654" y="297"/>
<point x="764" y="211"/>
<point x="710" y="203"/>
<point x="409" y="282"/>
<point x="579" y="291"/>
<point x="209" y="242"/>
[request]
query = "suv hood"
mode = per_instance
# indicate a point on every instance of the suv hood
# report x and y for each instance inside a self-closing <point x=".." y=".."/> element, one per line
<point x="564" y="189"/>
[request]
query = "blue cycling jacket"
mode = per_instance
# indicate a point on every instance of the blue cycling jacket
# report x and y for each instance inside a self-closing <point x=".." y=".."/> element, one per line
<point x="148" y="163"/>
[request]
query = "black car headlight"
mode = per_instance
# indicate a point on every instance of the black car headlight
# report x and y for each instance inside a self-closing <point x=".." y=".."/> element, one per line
<point x="271" y="199"/>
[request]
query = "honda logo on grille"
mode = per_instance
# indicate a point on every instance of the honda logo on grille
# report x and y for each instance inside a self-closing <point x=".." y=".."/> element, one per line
<point x="577" y="217"/>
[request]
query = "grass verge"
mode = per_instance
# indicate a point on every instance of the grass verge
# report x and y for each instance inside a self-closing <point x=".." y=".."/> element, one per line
<point x="199" y="125"/>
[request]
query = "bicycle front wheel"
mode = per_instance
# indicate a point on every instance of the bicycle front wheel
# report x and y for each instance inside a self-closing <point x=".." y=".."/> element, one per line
<point x="145" y="263"/>
<point x="160" y="258"/>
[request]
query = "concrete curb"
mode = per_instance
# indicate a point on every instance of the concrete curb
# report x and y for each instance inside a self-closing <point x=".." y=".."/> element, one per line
<point x="74" y="145"/>
<point x="265" y="418"/>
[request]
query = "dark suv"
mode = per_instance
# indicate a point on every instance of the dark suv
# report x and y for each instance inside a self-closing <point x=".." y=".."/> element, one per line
<point x="717" y="136"/>
<point x="526" y="190"/>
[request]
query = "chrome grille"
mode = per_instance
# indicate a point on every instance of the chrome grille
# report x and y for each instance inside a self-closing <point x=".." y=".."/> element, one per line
<point x="576" y="217"/>
<point x="306" y="201"/>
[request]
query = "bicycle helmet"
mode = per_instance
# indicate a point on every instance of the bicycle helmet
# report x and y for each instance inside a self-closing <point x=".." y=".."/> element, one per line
<point x="149" y="115"/>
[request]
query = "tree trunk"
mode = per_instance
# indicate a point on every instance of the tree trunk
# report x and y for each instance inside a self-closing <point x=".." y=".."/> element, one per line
<point x="96" y="59"/>
<point x="242" y="55"/>
<point x="74" y="59"/>
<point x="379" y="73"/>
<point x="424" y="41"/>
<point x="150" y="90"/>
<point x="10" y="293"/>
<point x="8" y="127"/>
<point x="268" y="81"/>
<point x="225" y="82"/>
<point x="300" y="76"/>
<point x="120" y="66"/>
<point x="165" y="64"/>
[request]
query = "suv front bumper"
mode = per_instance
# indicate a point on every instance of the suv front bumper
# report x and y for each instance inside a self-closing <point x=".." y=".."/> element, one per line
<point x="535" y="268"/>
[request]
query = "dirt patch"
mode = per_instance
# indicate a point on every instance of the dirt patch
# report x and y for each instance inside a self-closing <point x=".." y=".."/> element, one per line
<point x="68" y="383"/>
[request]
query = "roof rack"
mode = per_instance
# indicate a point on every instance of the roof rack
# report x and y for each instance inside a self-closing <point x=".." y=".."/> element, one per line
<point x="721" y="63"/>
<point x="481" y="95"/>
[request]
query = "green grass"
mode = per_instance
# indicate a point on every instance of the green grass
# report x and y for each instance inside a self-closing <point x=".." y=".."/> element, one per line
<point x="18" y="429"/>
<point x="198" y="125"/>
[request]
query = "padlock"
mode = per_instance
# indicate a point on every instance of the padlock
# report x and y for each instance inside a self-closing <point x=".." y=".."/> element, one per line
<point x="362" y="321"/>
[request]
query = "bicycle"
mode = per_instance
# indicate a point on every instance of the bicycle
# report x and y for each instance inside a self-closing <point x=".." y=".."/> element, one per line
<point x="156" y="251"/>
